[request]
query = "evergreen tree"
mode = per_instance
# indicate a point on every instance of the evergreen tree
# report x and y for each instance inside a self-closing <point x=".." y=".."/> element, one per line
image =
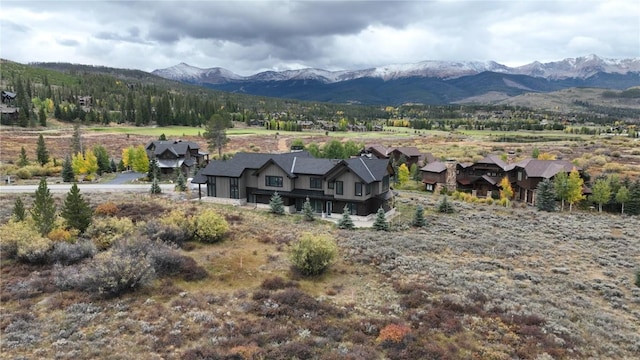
<point x="67" y="170"/>
<point x="445" y="206"/>
<point x="112" y="165"/>
<point x="633" y="204"/>
<point x="155" y="187"/>
<point x="308" y="210"/>
<point x="76" y="140"/>
<point x="162" y="137"/>
<point x="381" y="224"/>
<point x="153" y="169"/>
<point x="23" y="160"/>
<point x="76" y="210"/>
<point x="622" y="196"/>
<point x="42" y="152"/>
<point x="121" y="165"/>
<point x="43" y="212"/>
<point x="181" y="183"/>
<point x="102" y="157"/>
<point x="345" y="222"/>
<point x="276" y="204"/>
<point x="216" y="133"/>
<point x="18" y="213"/>
<point x="414" y="172"/>
<point x="418" y="217"/>
<point x="42" y="117"/>
<point x="545" y="196"/>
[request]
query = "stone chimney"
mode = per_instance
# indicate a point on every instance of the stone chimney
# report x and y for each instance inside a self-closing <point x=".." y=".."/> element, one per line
<point x="451" y="183"/>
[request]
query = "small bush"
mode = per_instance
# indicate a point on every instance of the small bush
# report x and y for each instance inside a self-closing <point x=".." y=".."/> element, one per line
<point x="171" y="234"/>
<point x="445" y="206"/>
<point x="23" y="174"/>
<point x="277" y="283"/>
<point x="313" y="254"/>
<point x="210" y="227"/>
<point x="35" y="250"/>
<point x="113" y="273"/>
<point x="105" y="231"/>
<point x="60" y="234"/>
<point x="393" y="334"/>
<point x="106" y="209"/>
<point x="67" y="254"/>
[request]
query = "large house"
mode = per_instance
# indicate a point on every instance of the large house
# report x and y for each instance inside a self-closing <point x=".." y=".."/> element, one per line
<point x="176" y="154"/>
<point x="483" y="178"/>
<point x="359" y="184"/>
<point x="411" y="154"/>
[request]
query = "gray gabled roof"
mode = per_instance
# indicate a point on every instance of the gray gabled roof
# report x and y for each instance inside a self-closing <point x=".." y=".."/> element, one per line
<point x="313" y="166"/>
<point x="493" y="159"/>
<point x="242" y="161"/>
<point x="369" y="170"/>
<point x="545" y="168"/>
<point x="434" y="167"/>
<point x="178" y="147"/>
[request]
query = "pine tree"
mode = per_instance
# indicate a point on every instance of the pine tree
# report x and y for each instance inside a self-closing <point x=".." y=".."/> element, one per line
<point x="42" y="117"/>
<point x="445" y="206"/>
<point x="155" y="187"/>
<point x="545" y="196"/>
<point x="18" y="213"/>
<point x="276" y="204"/>
<point x="308" y="210"/>
<point x="418" y="217"/>
<point x="112" y="165"/>
<point x="67" y="170"/>
<point x="76" y="210"/>
<point x="181" y="183"/>
<point x="43" y="212"/>
<point x="23" y="160"/>
<point x="346" y="222"/>
<point x="153" y="169"/>
<point x="42" y="152"/>
<point x="381" y="224"/>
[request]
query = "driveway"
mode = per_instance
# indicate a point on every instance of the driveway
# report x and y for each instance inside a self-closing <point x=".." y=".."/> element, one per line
<point x="126" y="177"/>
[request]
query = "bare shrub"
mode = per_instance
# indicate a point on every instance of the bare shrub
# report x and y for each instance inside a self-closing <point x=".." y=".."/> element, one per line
<point x="67" y="253"/>
<point x="277" y="283"/>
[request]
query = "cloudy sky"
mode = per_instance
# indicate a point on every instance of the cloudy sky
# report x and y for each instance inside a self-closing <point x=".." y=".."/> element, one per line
<point x="251" y="36"/>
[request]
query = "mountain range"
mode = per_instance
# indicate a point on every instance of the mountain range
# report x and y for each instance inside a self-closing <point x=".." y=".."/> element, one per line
<point x="428" y="82"/>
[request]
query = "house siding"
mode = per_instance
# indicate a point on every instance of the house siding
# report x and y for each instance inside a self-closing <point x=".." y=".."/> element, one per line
<point x="274" y="170"/>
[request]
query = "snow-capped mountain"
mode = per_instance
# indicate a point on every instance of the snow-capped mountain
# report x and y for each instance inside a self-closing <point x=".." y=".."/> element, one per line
<point x="579" y="68"/>
<point x="428" y="82"/>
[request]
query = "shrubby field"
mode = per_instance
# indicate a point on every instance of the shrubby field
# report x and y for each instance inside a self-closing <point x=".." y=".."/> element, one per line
<point x="485" y="282"/>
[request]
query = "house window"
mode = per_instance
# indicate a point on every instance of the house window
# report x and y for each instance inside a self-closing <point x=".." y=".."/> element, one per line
<point x="234" y="188"/>
<point x="331" y="184"/>
<point x="429" y="187"/>
<point x="315" y="183"/>
<point x="352" y="208"/>
<point x="519" y="175"/>
<point x="273" y="181"/>
<point x="368" y="189"/>
<point x="339" y="189"/>
<point x="211" y="186"/>
<point x="358" y="189"/>
<point x="385" y="183"/>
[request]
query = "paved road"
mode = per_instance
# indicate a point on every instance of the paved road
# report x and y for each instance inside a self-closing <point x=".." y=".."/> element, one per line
<point x="122" y="182"/>
<point x="63" y="188"/>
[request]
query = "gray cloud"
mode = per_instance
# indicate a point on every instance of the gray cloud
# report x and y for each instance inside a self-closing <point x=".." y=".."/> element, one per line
<point x="249" y="36"/>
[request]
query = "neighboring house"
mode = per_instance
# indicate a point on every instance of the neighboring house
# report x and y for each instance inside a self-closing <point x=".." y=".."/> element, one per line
<point x="411" y="153"/>
<point x="529" y="173"/>
<point x="176" y="154"/>
<point x="434" y="174"/>
<point x="8" y="115"/>
<point x="482" y="178"/>
<point x="84" y="101"/>
<point x="8" y="97"/>
<point x="360" y="184"/>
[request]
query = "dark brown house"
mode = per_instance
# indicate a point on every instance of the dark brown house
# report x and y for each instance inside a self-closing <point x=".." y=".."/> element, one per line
<point x="434" y="174"/>
<point x="529" y="173"/>
<point x="483" y="177"/>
